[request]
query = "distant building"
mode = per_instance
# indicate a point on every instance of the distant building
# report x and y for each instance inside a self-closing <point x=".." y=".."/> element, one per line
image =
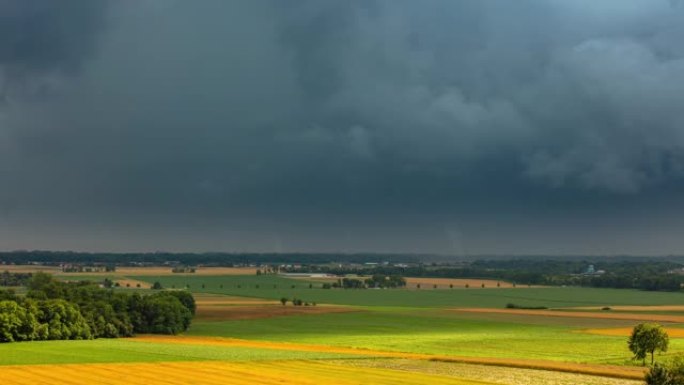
<point x="592" y="271"/>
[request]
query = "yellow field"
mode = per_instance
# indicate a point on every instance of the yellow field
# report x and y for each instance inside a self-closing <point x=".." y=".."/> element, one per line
<point x="625" y="372"/>
<point x="29" y="269"/>
<point x="219" y="373"/>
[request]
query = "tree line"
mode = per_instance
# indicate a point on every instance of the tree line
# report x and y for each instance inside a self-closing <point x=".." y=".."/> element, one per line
<point x="193" y="259"/>
<point x="375" y="281"/>
<point x="653" y="275"/>
<point x="54" y="310"/>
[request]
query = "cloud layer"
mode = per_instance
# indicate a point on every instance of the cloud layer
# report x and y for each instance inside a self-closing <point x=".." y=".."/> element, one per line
<point x="289" y="124"/>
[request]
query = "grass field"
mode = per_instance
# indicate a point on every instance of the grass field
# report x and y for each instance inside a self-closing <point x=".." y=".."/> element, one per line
<point x="275" y="287"/>
<point x="435" y="332"/>
<point x="242" y="334"/>
<point x="130" y="350"/>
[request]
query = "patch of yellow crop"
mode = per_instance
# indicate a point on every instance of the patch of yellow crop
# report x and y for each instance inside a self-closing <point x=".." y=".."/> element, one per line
<point x="613" y="371"/>
<point x="219" y="373"/>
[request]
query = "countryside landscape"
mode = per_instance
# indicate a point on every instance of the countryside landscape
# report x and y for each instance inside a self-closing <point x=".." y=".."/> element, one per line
<point x="257" y="323"/>
<point x="353" y="192"/>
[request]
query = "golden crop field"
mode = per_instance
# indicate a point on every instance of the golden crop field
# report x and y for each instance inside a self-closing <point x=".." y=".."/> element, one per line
<point x="624" y="372"/>
<point x="219" y="373"/>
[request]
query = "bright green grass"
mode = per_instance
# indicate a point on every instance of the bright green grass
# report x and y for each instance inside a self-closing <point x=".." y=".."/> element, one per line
<point x="124" y="350"/>
<point x="497" y="298"/>
<point x="433" y="332"/>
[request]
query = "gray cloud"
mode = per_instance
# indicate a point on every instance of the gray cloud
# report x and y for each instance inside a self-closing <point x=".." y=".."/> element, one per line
<point x="41" y="39"/>
<point x="308" y="120"/>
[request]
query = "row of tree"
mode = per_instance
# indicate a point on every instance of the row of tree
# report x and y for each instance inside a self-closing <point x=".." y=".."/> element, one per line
<point x="375" y="281"/>
<point x="194" y="259"/>
<point x="654" y="275"/>
<point x="57" y="310"/>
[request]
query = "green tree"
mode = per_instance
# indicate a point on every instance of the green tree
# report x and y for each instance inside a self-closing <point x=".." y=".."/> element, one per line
<point x="157" y="285"/>
<point x="185" y="298"/>
<point x="163" y="314"/>
<point x="39" y="280"/>
<point x="672" y="374"/>
<point x="64" y="320"/>
<point x="647" y="338"/>
<point x="283" y="301"/>
<point x="10" y="320"/>
<point x="659" y="375"/>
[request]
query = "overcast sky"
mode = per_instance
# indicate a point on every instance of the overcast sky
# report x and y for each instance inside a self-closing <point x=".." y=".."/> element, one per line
<point x="440" y="126"/>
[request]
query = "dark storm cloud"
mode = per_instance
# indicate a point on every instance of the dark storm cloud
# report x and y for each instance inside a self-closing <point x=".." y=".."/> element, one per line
<point x="295" y="122"/>
<point x="41" y="37"/>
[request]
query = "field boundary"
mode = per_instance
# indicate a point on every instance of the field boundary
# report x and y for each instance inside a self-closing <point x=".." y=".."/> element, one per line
<point x="578" y="314"/>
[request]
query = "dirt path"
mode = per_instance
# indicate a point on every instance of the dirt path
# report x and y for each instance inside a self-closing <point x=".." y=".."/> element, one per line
<point x="625" y="332"/>
<point x="580" y="314"/>
<point x="568" y="367"/>
<point x="633" y="308"/>
<point x="243" y="312"/>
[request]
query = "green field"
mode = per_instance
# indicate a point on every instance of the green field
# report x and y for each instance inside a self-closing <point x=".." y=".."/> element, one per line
<point x="433" y="332"/>
<point x="423" y="322"/>
<point x="125" y="350"/>
<point x="474" y="297"/>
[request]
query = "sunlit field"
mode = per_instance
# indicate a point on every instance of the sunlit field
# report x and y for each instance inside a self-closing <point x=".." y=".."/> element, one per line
<point x="449" y="336"/>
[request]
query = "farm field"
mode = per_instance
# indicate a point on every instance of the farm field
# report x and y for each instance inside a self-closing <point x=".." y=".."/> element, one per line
<point x="210" y="373"/>
<point x="276" y="287"/>
<point x="243" y="334"/>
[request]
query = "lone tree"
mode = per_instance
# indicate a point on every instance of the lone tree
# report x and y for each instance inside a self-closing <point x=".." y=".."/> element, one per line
<point x="647" y="338"/>
<point x="283" y="300"/>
